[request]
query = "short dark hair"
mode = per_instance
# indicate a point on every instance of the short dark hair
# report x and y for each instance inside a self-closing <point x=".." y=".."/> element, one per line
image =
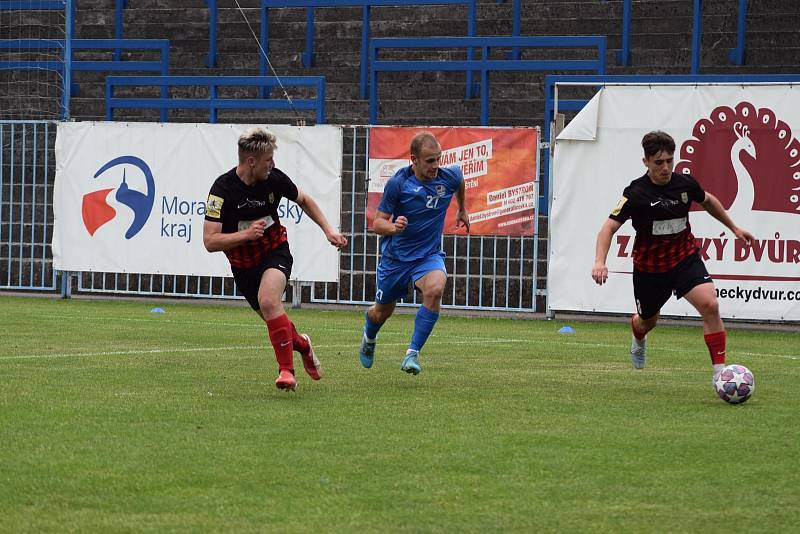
<point x="423" y="139"/>
<point x="656" y="141"/>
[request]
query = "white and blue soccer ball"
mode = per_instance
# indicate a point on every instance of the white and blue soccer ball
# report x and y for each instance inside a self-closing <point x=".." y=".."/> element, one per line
<point x="735" y="384"/>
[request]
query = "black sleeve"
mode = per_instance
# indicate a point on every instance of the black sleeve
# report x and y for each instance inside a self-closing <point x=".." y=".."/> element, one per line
<point x="696" y="191"/>
<point x="215" y="204"/>
<point x="623" y="210"/>
<point x="282" y="184"/>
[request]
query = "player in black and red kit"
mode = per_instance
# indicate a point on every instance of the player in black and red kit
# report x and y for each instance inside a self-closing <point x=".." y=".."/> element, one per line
<point x="665" y="256"/>
<point x="242" y="221"/>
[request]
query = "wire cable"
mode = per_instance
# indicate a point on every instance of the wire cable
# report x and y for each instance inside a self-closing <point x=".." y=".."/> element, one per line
<point x="271" y="68"/>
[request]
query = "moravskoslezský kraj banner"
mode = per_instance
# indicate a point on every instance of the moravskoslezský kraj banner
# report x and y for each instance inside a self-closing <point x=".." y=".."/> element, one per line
<point x="131" y="197"/>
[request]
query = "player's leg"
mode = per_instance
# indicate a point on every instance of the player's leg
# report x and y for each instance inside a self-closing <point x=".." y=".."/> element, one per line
<point x="696" y="286"/>
<point x="282" y="260"/>
<point x="651" y="291"/>
<point x="280" y="328"/>
<point x="430" y="277"/>
<point x="249" y="282"/>
<point x="374" y="317"/>
<point x="432" y="286"/>
<point x="391" y="280"/>
<point x="302" y="344"/>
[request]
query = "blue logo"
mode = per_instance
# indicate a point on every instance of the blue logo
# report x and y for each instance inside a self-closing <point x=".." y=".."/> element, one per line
<point x="96" y="211"/>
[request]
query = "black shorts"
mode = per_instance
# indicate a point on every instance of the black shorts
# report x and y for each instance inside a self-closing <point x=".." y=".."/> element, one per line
<point x="652" y="290"/>
<point x="249" y="280"/>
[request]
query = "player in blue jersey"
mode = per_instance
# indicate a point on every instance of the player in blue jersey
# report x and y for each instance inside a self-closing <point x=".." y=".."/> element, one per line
<point x="410" y="219"/>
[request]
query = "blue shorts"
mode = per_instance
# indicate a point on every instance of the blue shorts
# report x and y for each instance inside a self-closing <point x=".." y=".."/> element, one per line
<point x="394" y="275"/>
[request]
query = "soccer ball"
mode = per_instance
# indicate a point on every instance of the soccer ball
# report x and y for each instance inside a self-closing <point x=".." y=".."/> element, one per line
<point x="735" y="384"/>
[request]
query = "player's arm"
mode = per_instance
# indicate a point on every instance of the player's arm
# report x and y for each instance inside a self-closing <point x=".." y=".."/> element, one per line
<point x="383" y="225"/>
<point x="714" y="207"/>
<point x="462" y="217"/>
<point x="312" y="209"/>
<point x="215" y="241"/>
<point x="607" y="231"/>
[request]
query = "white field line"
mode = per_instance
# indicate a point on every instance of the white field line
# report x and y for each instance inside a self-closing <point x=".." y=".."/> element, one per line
<point x="461" y="341"/>
<point x="140" y="352"/>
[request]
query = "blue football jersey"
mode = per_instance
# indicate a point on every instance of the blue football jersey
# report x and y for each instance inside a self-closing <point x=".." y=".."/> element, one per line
<point x="424" y="204"/>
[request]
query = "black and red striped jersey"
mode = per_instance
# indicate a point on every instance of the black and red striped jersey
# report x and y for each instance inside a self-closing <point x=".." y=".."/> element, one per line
<point x="660" y="216"/>
<point x="236" y="205"/>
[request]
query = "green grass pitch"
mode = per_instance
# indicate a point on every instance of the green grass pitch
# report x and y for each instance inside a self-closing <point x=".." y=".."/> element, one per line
<point x="115" y="419"/>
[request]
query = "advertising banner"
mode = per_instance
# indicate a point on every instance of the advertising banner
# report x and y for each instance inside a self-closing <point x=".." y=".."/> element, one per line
<point x="741" y="144"/>
<point x="131" y="197"/>
<point x="499" y="167"/>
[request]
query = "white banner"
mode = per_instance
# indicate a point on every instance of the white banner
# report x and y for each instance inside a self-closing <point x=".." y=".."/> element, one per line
<point x="740" y="142"/>
<point x="130" y="197"/>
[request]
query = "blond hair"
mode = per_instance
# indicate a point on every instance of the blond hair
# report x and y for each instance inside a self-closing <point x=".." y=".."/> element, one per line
<point x="256" y="141"/>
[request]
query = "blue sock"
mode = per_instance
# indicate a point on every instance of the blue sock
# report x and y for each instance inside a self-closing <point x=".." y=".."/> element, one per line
<point x="370" y="328"/>
<point x="423" y="326"/>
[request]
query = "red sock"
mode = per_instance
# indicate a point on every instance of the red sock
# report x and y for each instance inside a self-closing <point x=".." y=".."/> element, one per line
<point x="636" y="334"/>
<point x="716" y="346"/>
<point x="280" y="334"/>
<point x="299" y="343"/>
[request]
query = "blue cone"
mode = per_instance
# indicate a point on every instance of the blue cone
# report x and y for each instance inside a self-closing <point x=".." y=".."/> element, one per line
<point x="566" y="330"/>
<point x="157" y="310"/>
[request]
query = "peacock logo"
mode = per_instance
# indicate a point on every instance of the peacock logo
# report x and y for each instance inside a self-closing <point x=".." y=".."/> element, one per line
<point x="95" y="210"/>
<point x="746" y="157"/>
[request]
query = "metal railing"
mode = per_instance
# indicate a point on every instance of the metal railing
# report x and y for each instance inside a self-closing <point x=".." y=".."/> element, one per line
<point x="213" y="103"/>
<point x="308" y="56"/>
<point x="735" y="55"/>
<point x="485" y="64"/>
<point x="71" y="65"/>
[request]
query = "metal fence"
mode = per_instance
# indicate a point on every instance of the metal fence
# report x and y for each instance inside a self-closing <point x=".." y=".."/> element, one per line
<point x="485" y="272"/>
<point x="27" y="172"/>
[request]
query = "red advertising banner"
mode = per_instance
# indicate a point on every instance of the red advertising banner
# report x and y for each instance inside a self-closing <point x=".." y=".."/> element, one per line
<point x="499" y="167"/>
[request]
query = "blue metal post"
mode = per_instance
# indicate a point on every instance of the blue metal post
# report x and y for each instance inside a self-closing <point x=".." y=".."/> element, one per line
<point x="119" y="6"/>
<point x="549" y="89"/>
<point x="66" y="285"/>
<point x="264" y="36"/>
<point x="109" y="96"/>
<point x="485" y="88"/>
<point x="321" y="102"/>
<point x="601" y="56"/>
<point x="472" y="17"/>
<point x="697" y="28"/>
<point x="624" y="55"/>
<point x="68" y="26"/>
<point x="736" y="55"/>
<point x="308" y="55"/>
